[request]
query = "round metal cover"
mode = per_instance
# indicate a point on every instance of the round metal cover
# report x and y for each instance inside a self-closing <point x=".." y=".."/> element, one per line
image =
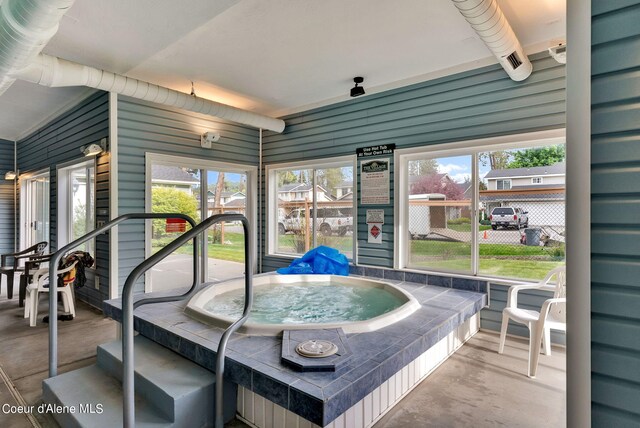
<point x="316" y="348"/>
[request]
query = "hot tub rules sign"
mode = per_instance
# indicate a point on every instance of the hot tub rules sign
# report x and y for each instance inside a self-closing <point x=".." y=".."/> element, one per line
<point x="374" y="174"/>
<point x="375" y="168"/>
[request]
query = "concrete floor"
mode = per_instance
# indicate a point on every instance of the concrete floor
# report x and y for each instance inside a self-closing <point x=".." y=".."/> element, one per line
<point x="475" y="387"/>
<point x="24" y="353"/>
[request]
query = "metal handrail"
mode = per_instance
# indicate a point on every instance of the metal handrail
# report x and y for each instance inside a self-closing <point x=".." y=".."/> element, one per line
<point x="55" y="259"/>
<point x="128" y="306"/>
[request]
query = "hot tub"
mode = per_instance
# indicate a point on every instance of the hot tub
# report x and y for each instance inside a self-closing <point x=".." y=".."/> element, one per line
<point x="296" y="302"/>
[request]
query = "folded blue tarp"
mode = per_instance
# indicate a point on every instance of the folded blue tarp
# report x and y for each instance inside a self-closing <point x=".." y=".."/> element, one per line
<point x="320" y="260"/>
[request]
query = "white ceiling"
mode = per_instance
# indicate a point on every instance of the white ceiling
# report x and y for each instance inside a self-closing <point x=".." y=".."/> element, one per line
<point x="273" y="57"/>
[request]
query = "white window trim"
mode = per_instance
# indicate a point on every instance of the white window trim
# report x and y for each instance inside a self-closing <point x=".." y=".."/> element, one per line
<point x="272" y="198"/>
<point x="467" y="147"/>
<point x="64" y="202"/>
<point x="180" y="161"/>
<point x="504" y="180"/>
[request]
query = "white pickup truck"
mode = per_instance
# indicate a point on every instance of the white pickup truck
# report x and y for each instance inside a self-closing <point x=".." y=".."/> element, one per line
<point x="328" y="221"/>
<point x="509" y="217"/>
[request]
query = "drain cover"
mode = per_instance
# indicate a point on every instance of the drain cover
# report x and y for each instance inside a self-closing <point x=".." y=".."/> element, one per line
<point x="316" y="348"/>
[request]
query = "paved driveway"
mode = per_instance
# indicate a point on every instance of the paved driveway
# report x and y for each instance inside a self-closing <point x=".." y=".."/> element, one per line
<point x="176" y="271"/>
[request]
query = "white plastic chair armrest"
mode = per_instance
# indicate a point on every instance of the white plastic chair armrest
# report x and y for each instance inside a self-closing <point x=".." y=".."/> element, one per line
<point x="546" y="306"/>
<point x="40" y="275"/>
<point x="512" y="296"/>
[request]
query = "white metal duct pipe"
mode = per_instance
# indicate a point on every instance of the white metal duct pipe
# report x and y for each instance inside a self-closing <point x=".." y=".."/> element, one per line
<point x="489" y="22"/>
<point x="55" y="72"/>
<point x="26" y="26"/>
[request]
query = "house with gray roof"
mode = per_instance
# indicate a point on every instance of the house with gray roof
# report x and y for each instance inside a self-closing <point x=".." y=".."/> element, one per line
<point x="174" y="177"/>
<point x="527" y="178"/>
<point x="538" y="190"/>
<point x="298" y="192"/>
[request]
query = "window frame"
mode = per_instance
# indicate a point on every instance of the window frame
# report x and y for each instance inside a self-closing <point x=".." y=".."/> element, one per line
<point x="153" y="158"/>
<point x="459" y="148"/>
<point x="271" y="229"/>
<point x="65" y="202"/>
<point x="503" y="180"/>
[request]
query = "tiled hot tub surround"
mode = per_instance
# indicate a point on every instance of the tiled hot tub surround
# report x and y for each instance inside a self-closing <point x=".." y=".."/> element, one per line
<point x="254" y="361"/>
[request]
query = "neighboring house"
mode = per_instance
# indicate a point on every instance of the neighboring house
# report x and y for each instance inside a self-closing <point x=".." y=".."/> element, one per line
<point x="346" y="197"/>
<point x="228" y="200"/>
<point x="526" y="178"/>
<point x="236" y="205"/>
<point x="174" y="177"/>
<point x="227" y="197"/>
<point x="539" y="190"/>
<point x="300" y="192"/>
<point x="343" y="189"/>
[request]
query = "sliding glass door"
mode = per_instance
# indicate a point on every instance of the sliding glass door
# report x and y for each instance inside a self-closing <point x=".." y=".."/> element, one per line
<point x="198" y="189"/>
<point x="34" y="202"/>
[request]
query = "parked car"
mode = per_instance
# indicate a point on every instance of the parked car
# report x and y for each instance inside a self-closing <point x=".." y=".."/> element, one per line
<point x="328" y="221"/>
<point x="509" y="217"/>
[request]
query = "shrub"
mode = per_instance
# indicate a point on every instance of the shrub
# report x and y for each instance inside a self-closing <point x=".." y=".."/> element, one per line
<point x="485" y="222"/>
<point x="169" y="200"/>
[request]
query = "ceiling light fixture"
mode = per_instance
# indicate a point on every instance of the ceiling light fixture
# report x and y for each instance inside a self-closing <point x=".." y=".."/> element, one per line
<point x="10" y="175"/>
<point x="94" y="149"/>
<point x="356" y="91"/>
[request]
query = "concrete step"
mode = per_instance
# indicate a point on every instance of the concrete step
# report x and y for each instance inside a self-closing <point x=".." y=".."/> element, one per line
<point x="91" y="386"/>
<point x="177" y="388"/>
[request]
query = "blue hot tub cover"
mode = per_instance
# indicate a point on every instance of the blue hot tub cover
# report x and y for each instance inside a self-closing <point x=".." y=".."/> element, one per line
<point x="320" y="260"/>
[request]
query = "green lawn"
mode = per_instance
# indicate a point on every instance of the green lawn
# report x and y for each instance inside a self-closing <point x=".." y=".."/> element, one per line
<point x="502" y="260"/>
<point x="232" y="251"/>
<point x="516" y="261"/>
<point x="292" y="243"/>
<point x="466" y="227"/>
<point x="523" y="269"/>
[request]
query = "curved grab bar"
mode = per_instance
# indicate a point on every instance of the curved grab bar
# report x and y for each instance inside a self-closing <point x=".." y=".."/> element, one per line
<point x="55" y="259"/>
<point x="128" y="306"/>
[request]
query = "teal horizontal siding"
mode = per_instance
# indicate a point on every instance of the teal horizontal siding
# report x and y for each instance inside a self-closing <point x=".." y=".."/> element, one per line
<point x="475" y="104"/>
<point x="151" y="128"/>
<point x="59" y="142"/>
<point x="491" y="316"/>
<point x="615" y="213"/>
<point x="7" y="209"/>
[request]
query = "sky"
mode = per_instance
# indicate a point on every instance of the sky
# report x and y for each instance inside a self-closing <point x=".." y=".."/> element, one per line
<point x="212" y="177"/>
<point x="459" y="167"/>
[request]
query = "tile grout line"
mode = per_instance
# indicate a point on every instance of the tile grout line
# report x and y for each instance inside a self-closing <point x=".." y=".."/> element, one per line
<point x="18" y="397"/>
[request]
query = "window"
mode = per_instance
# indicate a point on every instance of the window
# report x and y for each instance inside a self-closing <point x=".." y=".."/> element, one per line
<point x="305" y="210"/>
<point x="459" y="214"/>
<point x="503" y="184"/>
<point x="439" y="213"/>
<point x="77" y="195"/>
<point x="536" y="180"/>
<point x="197" y="188"/>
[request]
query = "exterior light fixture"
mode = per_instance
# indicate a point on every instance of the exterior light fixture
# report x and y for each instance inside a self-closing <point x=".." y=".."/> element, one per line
<point x="10" y="175"/>
<point x="94" y="149"/>
<point x="356" y="91"/>
<point x="209" y="137"/>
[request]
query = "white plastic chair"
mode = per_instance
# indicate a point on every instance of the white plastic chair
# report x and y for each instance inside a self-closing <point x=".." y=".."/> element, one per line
<point x="37" y="285"/>
<point x="552" y="315"/>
